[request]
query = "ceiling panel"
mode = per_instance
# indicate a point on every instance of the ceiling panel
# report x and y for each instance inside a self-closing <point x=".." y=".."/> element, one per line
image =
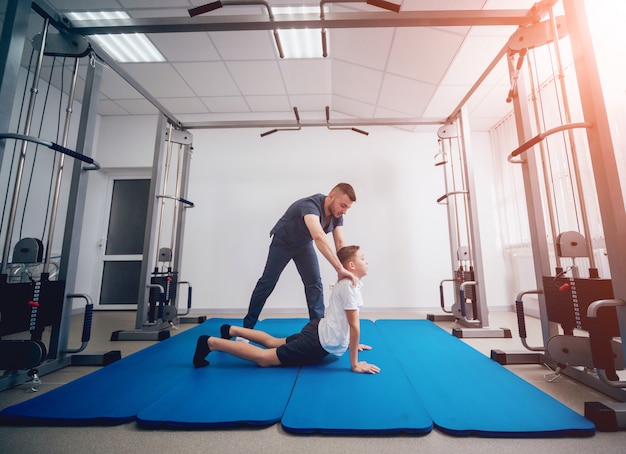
<point x="232" y="104"/>
<point x="311" y="106"/>
<point x="307" y="76"/>
<point x="257" y="77"/>
<point x="245" y="45"/>
<point x="356" y="82"/>
<point x="268" y="103"/>
<point x="108" y="107"/>
<point x="184" y="105"/>
<point x="423" y="54"/>
<point x="444" y="100"/>
<point x="404" y="95"/>
<point x="136" y="106"/>
<point x="208" y="78"/>
<point x="366" y="47"/>
<point x="114" y="87"/>
<point x="160" y="79"/>
<point x="179" y="47"/>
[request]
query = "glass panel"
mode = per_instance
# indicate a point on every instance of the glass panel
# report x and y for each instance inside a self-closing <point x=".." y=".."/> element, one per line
<point x="120" y="282"/>
<point x="127" y="222"/>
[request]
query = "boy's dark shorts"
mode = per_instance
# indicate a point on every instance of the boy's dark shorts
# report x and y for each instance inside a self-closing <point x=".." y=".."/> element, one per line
<point x="302" y="348"/>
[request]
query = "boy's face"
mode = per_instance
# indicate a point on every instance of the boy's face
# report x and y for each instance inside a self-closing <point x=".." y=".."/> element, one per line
<point x="360" y="264"/>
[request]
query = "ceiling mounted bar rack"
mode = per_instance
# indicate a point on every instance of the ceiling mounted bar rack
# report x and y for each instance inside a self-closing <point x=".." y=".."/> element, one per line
<point x="340" y="20"/>
<point x="193" y="12"/>
<point x="334" y="128"/>
<point x="378" y="3"/>
<point x="343" y="20"/>
<point x="272" y="131"/>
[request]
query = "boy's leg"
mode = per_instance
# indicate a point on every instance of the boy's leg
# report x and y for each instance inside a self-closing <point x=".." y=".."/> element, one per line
<point x="202" y="349"/>
<point x="264" y="357"/>
<point x="254" y="335"/>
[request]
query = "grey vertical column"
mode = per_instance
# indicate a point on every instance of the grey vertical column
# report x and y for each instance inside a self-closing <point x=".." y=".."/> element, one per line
<point x="185" y="138"/>
<point x="534" y="205"/>
<point x="149" y="250"/>
<point x="480" y="309"/>
<point x="12" y="42"/>
<point x="85" y="144"/>
<point x="604" y="164"/>
<point x="482" y="312"/>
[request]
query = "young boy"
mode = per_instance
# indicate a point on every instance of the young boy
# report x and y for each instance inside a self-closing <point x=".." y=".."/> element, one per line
<point x="337" y="332"/>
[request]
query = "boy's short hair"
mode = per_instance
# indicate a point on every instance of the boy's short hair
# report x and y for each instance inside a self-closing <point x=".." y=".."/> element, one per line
<point x="346" y="189"/>
<point x="346" y="253"/>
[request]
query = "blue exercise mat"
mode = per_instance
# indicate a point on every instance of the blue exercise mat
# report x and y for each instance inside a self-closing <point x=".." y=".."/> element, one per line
<point x="330" y="398"/>
<point x="467" y="393"/>
<point x="228" y="392"/>
<point x="117" y="392"/>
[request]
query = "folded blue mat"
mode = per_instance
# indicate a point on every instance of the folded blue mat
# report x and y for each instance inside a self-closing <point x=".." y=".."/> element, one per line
<point x="228" y="392"/>
<point x="467" y="393"/>
<point x="330" y="398"/>
<point x="117" y="392"/>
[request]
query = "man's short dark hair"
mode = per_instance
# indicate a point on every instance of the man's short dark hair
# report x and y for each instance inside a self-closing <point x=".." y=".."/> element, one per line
<point x="346" y="189"/>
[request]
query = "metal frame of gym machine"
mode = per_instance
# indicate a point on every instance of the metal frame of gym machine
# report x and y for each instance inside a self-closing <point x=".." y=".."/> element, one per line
<point x="469" y="310"/>
<point x="44" y="295"/>
<point x="597" y="305"/>
<point x="157" y="300"/>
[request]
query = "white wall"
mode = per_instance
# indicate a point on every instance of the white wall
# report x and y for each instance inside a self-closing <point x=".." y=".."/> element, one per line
<point x="241" y="184"/>
<point x="122" y="147"/>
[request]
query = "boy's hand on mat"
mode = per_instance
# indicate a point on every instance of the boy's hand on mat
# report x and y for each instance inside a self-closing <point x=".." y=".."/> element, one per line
<point x="364" y="347"/>
<point x="365" y="368"/>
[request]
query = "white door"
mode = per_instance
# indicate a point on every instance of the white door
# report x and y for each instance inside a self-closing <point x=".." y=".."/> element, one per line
<point x="122" y="241"/>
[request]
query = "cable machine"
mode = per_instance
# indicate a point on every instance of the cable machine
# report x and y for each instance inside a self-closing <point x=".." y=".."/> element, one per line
<point x="34" y="308"/>
<point x="157" y="308"/>
<point x="582" y="311"/>
<point x="469" y="310"/>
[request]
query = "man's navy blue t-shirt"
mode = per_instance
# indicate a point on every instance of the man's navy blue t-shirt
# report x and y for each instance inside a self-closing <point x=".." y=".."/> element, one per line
<point x="291" y="229"/>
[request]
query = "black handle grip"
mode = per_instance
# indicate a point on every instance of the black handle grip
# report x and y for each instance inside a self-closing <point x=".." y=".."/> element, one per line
<point x="72" y="153"/>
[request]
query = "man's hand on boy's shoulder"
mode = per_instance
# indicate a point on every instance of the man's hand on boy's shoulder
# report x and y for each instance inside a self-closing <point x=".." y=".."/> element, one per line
<point x="364" y="347"/>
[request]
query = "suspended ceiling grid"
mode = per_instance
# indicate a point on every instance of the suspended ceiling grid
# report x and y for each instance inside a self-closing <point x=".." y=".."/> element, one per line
<point x="417" y="75"/>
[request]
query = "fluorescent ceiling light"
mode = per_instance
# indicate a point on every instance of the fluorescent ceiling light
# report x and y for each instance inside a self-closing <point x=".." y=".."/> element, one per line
<point x="301" y="43"/>
<point x="123" y="47"/>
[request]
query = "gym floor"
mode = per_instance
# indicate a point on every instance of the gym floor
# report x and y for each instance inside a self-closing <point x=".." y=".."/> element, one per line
<point x="132" y="439"/>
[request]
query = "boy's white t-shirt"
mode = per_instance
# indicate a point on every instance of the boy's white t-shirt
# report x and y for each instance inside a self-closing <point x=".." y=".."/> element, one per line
<point x="333" y="329"/>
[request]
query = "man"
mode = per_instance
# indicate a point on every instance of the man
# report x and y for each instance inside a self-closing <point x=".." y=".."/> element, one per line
<point x="306" y="222"/>
<point x="338" y="331"/>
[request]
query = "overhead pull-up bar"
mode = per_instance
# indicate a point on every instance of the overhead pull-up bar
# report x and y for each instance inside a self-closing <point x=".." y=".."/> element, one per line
<point x="272" y="131"/>
<point x="360" y="131"/>
<point x="219" y="4"/>
<point x="327" y="124"/>
<point x="378" y="3"/>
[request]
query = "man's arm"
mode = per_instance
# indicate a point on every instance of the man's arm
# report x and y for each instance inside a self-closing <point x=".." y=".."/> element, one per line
<point x="355" y="335"/>
<point x="324" y="246"/>
<point x="338" y="237"/>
